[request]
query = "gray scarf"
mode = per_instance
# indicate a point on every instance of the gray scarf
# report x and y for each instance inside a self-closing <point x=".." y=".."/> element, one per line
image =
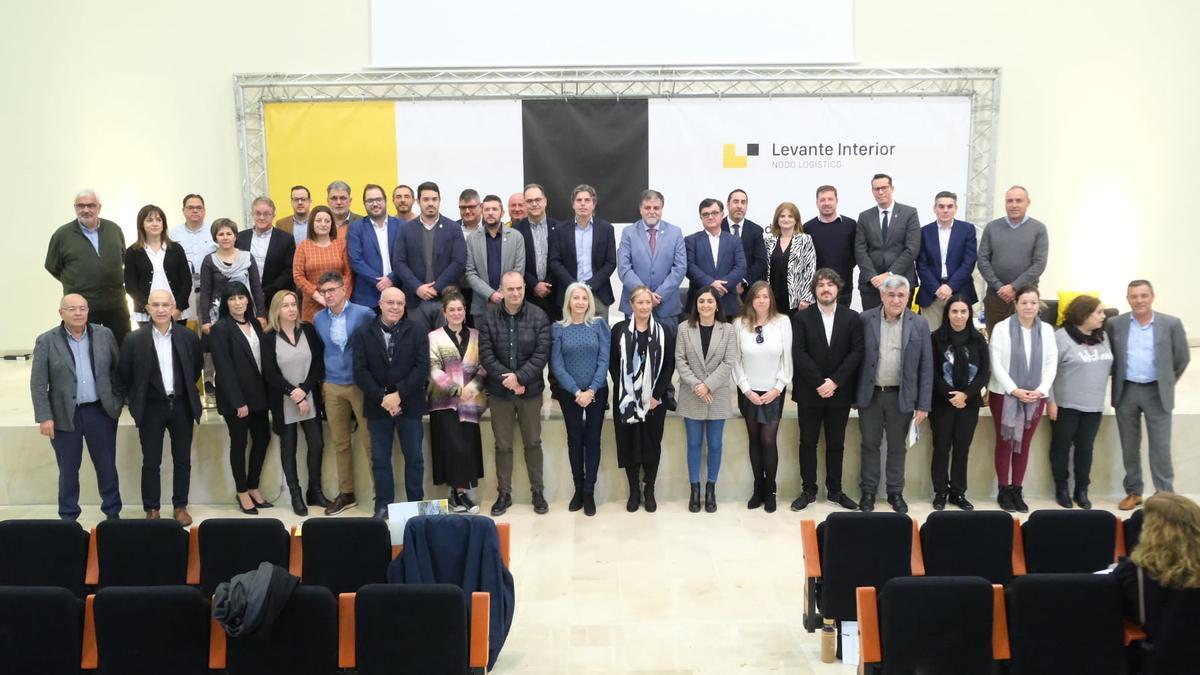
<point x="1026" y="373"/>
<point x="238" y="271"/>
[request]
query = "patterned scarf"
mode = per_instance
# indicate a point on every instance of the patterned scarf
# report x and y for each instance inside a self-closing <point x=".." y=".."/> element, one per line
<point x="639" y="372"/>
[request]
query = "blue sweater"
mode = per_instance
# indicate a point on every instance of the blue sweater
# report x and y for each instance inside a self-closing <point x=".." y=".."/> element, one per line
<point x="579" y="357"/>
<point x="339" y="361"/>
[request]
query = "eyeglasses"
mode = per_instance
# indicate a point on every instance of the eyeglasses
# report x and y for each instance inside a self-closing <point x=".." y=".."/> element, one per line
<point x="374" y="200"/>
<point x="758" y="336"/>
<point x="710" y="214"/>
<point x="328" y="290"/>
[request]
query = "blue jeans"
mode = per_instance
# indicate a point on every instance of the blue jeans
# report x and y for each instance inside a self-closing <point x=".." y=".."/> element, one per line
<point x="411" y="433"/>
<point x="100" y="431"/>
<point x="696" y="432"/>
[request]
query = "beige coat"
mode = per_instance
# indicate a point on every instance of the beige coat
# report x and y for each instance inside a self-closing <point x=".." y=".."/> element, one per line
<point x="715" y="371"/>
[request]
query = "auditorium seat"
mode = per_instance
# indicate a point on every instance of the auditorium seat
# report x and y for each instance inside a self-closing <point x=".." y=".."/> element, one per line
<point x="951" y="625"/>
<point x="224" y="547"/>
<point x="138" y="553"/>
<point x="849" y="550"/>
<point x="44" y="553"/>
<point x="151" y="630"/>
<point x="40" y="630"/>
<point x="971" y="543"/>
<point x="417" y="629"/>
<point x="342" y="554"/>
<point x="1069" y="541"/>
<point x="1065" y="623"/>
<point x="1132" y="528"/>
<point x="303" y="640"/>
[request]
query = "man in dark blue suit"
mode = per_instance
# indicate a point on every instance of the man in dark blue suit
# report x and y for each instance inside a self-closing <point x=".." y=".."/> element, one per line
<point x="430" y="255"/>
<point x="370" y="244"/>
<point x="584" y="250"/>
<point x="537" y="228"/>
<point x="714" y="258"/>
<point x="946" y="260"/>
<point x="750" y="234"/>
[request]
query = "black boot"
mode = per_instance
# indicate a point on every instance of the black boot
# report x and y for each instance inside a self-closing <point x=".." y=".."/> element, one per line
<point x="1018" y="503"/>
<point x="1081" y="498"/>
<point x="756" y="499"/>
<point x="288" y="460"/>
<point x="635" y="495"/>
<point x="315" y="497"/>
<point x="769" y="496"/>
<point x="1061" y="496"/>
<point x="1005" y="500"/>
<point x="298" y="500"/>
<point x="694" y="499"/>
<point x="710" y="497"/>
<point x="576" y="499"/>
<point x="648" y="498"/>
<point x="589" y="504"/>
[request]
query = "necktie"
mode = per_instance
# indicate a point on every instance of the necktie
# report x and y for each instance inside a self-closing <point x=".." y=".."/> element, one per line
<point x="737" y="230"/>
<point x="653" y="239"/>
<point x="884" y="227"/>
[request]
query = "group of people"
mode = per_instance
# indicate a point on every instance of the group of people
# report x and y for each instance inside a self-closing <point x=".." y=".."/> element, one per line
<point x="384" y="319"/>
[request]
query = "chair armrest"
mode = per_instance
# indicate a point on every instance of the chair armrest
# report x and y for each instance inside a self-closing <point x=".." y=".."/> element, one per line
<point x="295" y="555"/>
<point x="347" y="656"/>
<point x="193" y="564"/>
<point x="216" y="642"/>
<point x="92" y="576"/>
<point x="1018" y="550"/>
<point x="397" y="549"/>
<point x="812" y="555"/>
<point x="1000" y="648"/>
<point x="1133" y="633"/>
<point x="918" y="554"/>
<point x="868" y="625"/>
<point x="504" y="532"/>
<point x="90" y="657"/>
<point x="481" y="617"/>
<point x="1120" y="547"/>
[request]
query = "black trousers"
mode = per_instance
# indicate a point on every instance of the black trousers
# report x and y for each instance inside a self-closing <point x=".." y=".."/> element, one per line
<point x="116" y="320"/>
<point x="258" y="427"/>
<point x="314" y="436"/>
<point x="1078" y="428"/>
<point x="953" y="428"/>
<point x="583" y="438"/>
<point x="833" y="419"/>
<point x="175" y="419"/>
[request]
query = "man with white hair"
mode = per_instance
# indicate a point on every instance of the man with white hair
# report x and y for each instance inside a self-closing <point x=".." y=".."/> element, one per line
<point x="87" y="255"/>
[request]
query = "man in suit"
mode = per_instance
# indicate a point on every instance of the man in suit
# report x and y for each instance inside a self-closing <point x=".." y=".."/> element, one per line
<point x="584" y="250"/>
<point x="337" y="197"/>
<point x="886" y="242"/>
<point x="87" y="255"/>
<point x="1150" y="353"/>
<point x="714" y="258"/>
<point x="946" y="260"/>
<point x="750" y="234"/>
<point x="391" y="367"/>
<point x="491" y="252"/>
<point x="77" y="396"/>
<point x="297" y="223"/>
<point x="404" y="199"/>
<point x="430" y="255"/>
<point x="1012" y="254"/>
<point x="895" y="388"/>
<point x="516" y="208"/>
<point x="652" y="254"/>
<point x="833" y="239"/>
<point x="370" y="244"/>
<point x="470" y="217"/>
<point x="271" y="248"/>
<point x="538" y="229"/>
<point x="827" y="349"/>
<point x="163" y="398"/>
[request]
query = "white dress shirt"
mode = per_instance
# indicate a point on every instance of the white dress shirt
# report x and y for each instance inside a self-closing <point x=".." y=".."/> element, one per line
<point x="381" y="236"/>
<point x="259" y="243"/>
<point x="162" y="347"/>
<point x="827" y="321"/>
<point x="714" y="243"/>
<point x="944" y="245"/>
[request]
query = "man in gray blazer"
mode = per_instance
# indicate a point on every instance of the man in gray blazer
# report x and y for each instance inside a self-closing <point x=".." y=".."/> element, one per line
<point x="895" y="387"/>
<point x="1150" y="353"/>
<point x="492" y="250"/>
<point x="886" y="242"/>
<point x="77" y="396"/>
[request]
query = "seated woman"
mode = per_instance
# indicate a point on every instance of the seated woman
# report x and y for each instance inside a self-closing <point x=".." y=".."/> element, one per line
<point x="1161" y="584"/>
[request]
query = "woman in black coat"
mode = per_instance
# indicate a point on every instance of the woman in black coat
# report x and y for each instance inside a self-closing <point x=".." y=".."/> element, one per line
<point x="961" y="368"/>
<point x="154" y="262"/>
<point x="236" y="344"/>
<point x="294" y="365"/>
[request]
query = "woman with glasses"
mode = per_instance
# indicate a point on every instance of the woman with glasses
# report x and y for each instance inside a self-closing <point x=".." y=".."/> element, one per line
<point x="321" y="252"/>
<point x="763" y="370"/>
<point x="155" y="263"/>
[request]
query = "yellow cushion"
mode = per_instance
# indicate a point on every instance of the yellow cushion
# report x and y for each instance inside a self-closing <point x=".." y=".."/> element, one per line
<point x="1065" y="298"/>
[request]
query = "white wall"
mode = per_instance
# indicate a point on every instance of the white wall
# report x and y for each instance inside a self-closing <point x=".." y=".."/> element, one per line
<point x="135" y="99"/>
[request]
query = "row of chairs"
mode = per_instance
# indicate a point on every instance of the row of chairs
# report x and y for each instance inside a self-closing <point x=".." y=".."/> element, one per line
<point x="151" y="630"/>
<point x="962" y="625"/>
<point x="849" y="550"/>
<point x="341" y="554"/>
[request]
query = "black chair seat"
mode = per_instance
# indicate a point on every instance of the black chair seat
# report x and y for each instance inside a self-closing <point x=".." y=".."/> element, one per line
<point x="44" y="553"/>
<point x="860" y="549"/>
<point x="231" y="546"/>
<point x="936" y="625"/>
<point x="41" y="629"/>
<point x="303" y="640"/>
<point x="975" y="543"/>
<point x="411" y="629"/>
<point x="1073" y="541"/>
<point x="344" y="554"/>
<point x="142" y="553"/>
<point x="152" y="630"/>
<point x="1065" y="623"/>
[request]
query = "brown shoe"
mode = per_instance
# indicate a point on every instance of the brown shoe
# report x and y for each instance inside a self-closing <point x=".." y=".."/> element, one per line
<point x="152" y="514"/>
<point x="341" y="503"/>
<point x="1131" y="501"/>
<point x="182" y="516"/>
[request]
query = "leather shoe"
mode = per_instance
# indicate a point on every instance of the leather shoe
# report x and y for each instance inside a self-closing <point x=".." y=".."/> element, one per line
<point x="182" y="516"/>
<point x="1062" y="497"/>
<point x="1131" y="501"/>
<point x="842" y="499"/>
<point x="503" y="501"/>
<point x="939" y="501"/>
<point x="898" y="503"/>
<point x="867" y="503"/>
<point x="539" y="503"/>
<point x="152" y="514"/>
<point x="381" y="512"/>
<point x="961" y="502"/>
<point x="801" y="502"/>
<point x="340" y="503"/>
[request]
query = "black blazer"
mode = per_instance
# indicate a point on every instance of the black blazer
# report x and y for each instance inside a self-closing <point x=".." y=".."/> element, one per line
<point x="756" y="251"/>
<point x="814" y="359"/>
<point x="563" y="263"/>
<point x="239" y="381"/>
<point x="407" y="374"/>
<point x="139" y="369"/>
<point x="278" y="387"/>
<point x="276" y="274"/>
<point x="980" y="358"/>
<point x="139" y="273"/>
<point x="531" y="279"/>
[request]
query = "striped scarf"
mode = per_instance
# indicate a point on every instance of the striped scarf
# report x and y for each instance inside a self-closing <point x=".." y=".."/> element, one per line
<point x="639" y="372"/>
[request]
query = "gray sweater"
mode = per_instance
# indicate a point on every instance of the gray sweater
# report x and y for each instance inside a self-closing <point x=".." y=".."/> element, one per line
<point x="1013" y="256"/>
<point x="1082" y="378"/>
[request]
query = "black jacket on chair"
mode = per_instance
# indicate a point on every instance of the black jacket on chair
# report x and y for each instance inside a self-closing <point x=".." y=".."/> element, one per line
<point x="139" y="273"/>
<point x="239" y="381"/>
<point x="814" y="358"/>
<point x="140" y="373"/>
<point x="406" y="371"/>
<point x="276" y="272"/>
<point x="278" y="387"/>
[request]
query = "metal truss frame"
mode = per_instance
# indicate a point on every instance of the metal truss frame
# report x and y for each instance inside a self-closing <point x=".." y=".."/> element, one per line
<point x="980" y="85"/>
